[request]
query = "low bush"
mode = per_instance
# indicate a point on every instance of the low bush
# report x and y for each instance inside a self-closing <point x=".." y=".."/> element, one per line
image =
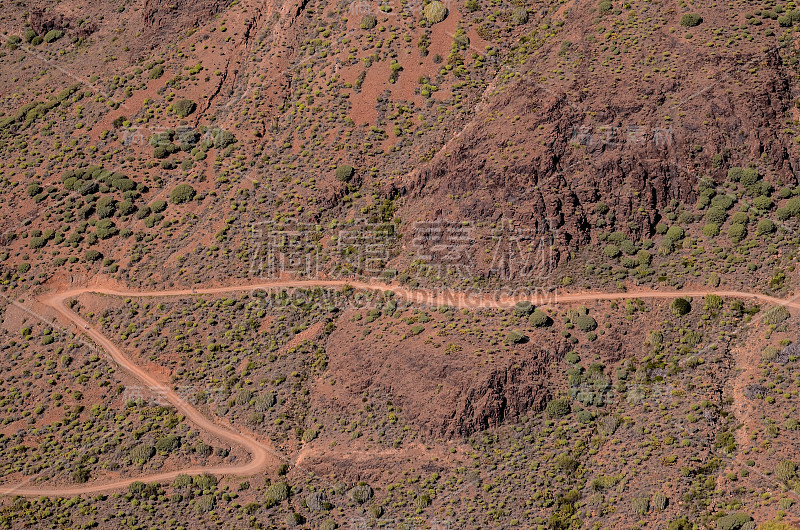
<point x="711" y="230"/>
<point x="776" y="315"/>
<point x="737" y="232"/>
<point x="184" y="107"/>
<point x="344" y="173"/>
<point x="519" y="16"/>
<point x="680" y="307"/>
<point x="53" y="35"/>
<point x="435" y="12"/>
<point x="361" y="493"/>
<point x="515" y="337"/>
<point x="690" y="20"/>
<point x="765" y="226"/>
<point x="557" y="408"/>
<point x="181" y="193"/>
<point x="368" y="22"/>
<point x="140" y="454"/>
<point x="539" y="319"/>
<point x="585" y="323"/>
<point x="276" y="493"/>
<point x="523" y="309"/>
<point x="92" y="256"/>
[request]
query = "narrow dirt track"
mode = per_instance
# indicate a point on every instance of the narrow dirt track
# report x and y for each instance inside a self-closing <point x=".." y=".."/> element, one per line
<point x="261" y="454"/>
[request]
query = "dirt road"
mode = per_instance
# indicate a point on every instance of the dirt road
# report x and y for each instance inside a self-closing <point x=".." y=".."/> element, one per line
<point x="261" y="455"/>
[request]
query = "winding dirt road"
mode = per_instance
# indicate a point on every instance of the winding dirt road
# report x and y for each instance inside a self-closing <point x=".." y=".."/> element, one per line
<point x="261" y="455"/>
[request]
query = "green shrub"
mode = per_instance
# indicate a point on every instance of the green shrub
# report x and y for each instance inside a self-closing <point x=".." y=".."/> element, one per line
<point x="737" y="232"/>
<point x="309" y="435"/>
<point x="790" y="209"/>
<point x="361" y="493"/>
<point x="184" y="107"/>
<point x="776" y="314"/>
<point x="13" y="42"/>
<point x="716" y="215"/>
<point x="344" y="173"/>
<point x="690" y="20"/>
<point x="157" y="206"/>
<point x="168" y="443"/>
<point x="143" y="212"/>
<point x="627" y="247"/>
<point x="81" y="475"/>
<point x="92" y="256"/>
<point x="711" y="230"/>
<point x="640" y="505"/>
<point x="222" y="138"/>
<point x="572" y="358"/>
<point x="765" y="226"/>
<point x="557" y="408"/>
<point x="368" y="22"/>
<point x="417" y="329"/>
<point x="34" y="189"/>
<point x="680" y="307"/>
<point x="740" y="218"/>
<point x="181" y="193"/>
<point x="53" y="35"/>
<point x="566" y="464"/>
<point x="276" y="493"/>
<point x="123" y="184"/>
<point x="604" y="7"/>
<point x="264" y="402"/>
<point x="539" y="319"/>
<point x="519" y="16"/>
<point x="674" y="233"/>
<point x="724" y="202"/>
<point x="140" y="454"/>
<point x="294" y="519"/>
<point x="435" y="12"/>
<point x="204" y="503"/>
<point x="611" y="251"/>
<point x="204" y="482"/>
<point x="156" y="72"/>
<point x="37" y="242"/>
<point x="734" y="521"/>
<point x="660" y="502"/>
<point x="106" y="229"/>
<point x="515" y="337"/>
<point x="749" y="176"/>
<point x="712" y="302"/>
<point x="88" y="188"/>
<point x="786" y="470"/>
<point x="762" y="202"/>
<point x="161" y="152"/>
<point x="585" y="323"/>
<point x="105" y="207"/>
<point x="126" y="208"/>
<point x="523" y="308"/>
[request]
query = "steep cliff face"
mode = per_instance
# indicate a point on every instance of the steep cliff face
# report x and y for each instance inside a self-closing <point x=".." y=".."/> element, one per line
<point x="545" y="151"/>
<point x="504" y="394"/>
<point x="160" y="19"/>
<point x="43" y="20"/>
<point x="441" y="394"/>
